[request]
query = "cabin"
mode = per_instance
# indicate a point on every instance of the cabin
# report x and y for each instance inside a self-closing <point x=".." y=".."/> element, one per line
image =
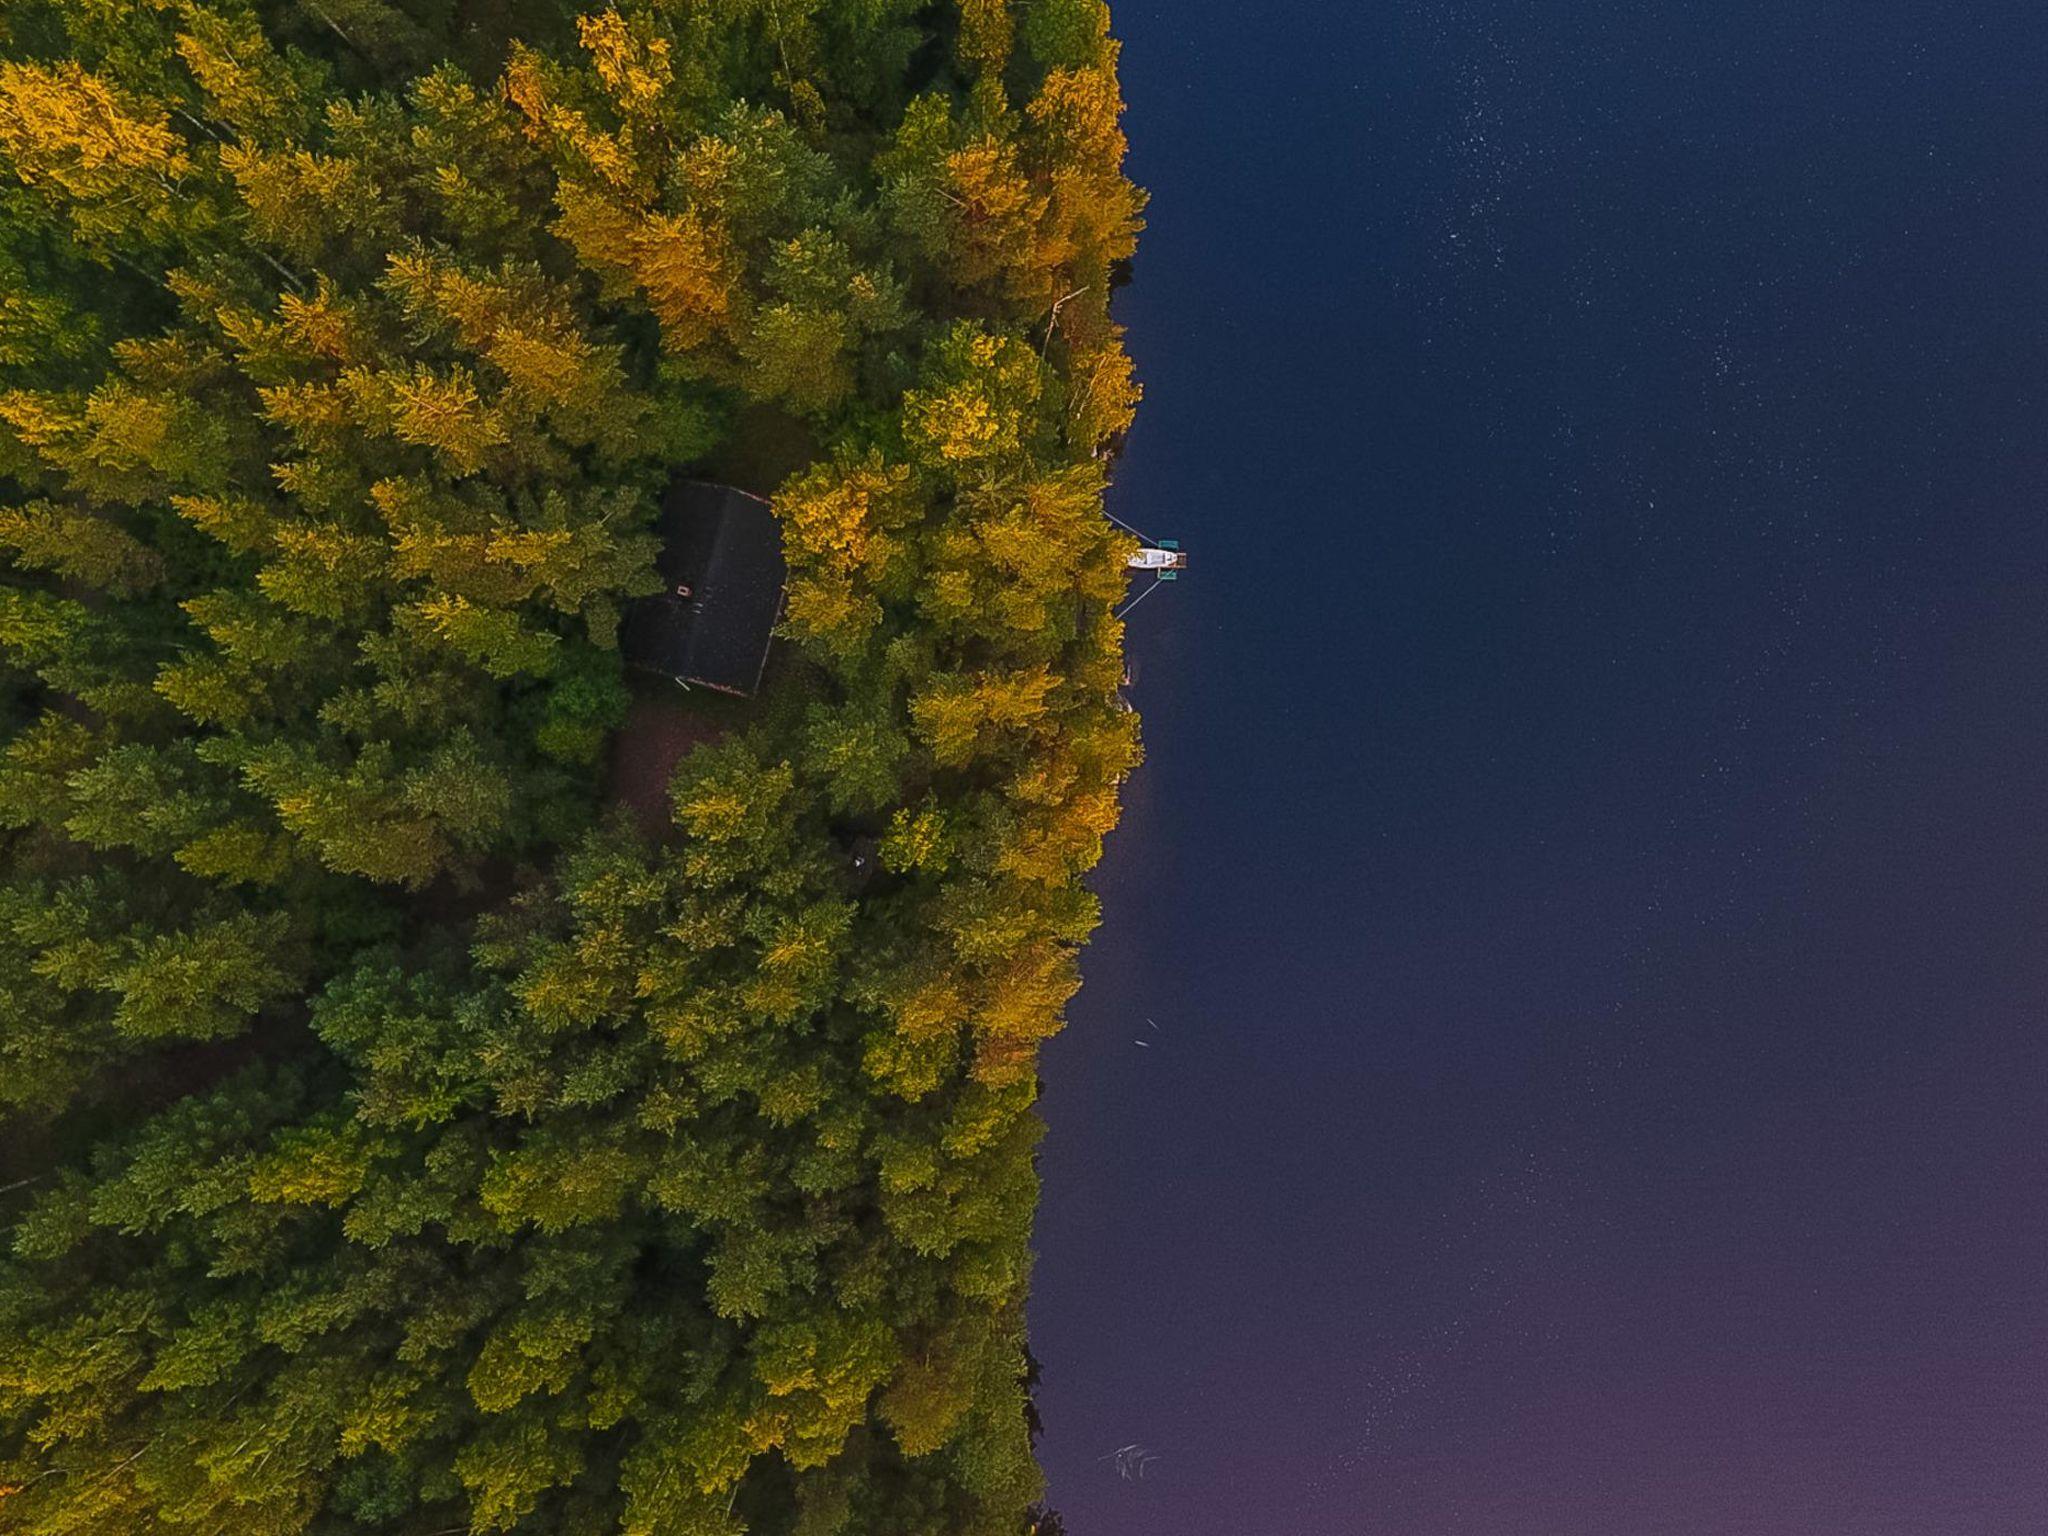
<point x="722" y="578"/>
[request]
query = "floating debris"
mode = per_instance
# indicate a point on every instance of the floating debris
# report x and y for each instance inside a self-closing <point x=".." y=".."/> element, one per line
<point x="1132" y="1461"/>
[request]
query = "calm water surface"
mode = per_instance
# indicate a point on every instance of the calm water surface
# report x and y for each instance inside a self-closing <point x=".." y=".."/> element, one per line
<point x="1591" y="878"/>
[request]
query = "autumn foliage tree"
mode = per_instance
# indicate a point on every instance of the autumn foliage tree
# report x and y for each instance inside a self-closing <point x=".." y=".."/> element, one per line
<point x="397" y="1138"/>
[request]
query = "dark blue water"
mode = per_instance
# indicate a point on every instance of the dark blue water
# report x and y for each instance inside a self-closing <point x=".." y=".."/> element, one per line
<point x="1591" y="875"/>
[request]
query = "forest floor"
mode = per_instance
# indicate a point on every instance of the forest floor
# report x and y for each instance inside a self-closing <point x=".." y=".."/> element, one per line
<point x="662" y="724"/>
<point x="766" y="446"/>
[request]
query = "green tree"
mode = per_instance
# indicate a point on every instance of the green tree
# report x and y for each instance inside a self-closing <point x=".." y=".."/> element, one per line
<point x="414" y="1145"/>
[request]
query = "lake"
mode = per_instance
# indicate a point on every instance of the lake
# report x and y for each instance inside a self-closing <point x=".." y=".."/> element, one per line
<point x="1586" y="906"/>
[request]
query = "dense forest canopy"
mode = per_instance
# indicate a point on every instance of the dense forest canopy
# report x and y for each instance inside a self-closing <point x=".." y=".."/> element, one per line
<point x="398" y="1136"/>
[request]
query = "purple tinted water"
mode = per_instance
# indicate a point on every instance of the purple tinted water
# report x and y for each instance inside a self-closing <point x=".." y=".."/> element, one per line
<point x="1591" y="877"/>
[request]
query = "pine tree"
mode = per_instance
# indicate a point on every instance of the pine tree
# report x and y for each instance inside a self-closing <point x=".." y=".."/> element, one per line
<point x="420" y="1147"/>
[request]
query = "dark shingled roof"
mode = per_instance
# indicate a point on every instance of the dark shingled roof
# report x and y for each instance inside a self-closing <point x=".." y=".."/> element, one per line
<point x="724" y="548"/>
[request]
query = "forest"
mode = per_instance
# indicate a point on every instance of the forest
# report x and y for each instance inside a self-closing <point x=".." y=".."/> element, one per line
<point x="396" y="1135"/>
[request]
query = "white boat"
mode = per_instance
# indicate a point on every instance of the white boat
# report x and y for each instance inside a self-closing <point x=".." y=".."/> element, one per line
<point x="1165" y="556"/>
